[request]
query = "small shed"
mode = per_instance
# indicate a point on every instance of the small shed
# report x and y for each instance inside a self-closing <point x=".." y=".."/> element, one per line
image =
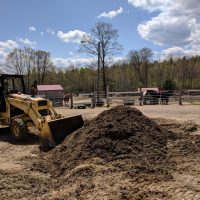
<point x="156" y="89"/>
<point x="54" y="93"/>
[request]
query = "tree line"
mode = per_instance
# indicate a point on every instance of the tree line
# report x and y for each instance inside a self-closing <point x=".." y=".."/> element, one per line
<point x="137" y="70"/>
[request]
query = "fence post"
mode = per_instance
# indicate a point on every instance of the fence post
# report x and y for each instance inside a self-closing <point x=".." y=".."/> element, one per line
<point x="160" y="99"/>
<point x="141" y="97"/>
<point x="71" y="101"/>
<point x="93" y="100"/>
<point x="107" y="96"/>
<point x="180" y="99"/>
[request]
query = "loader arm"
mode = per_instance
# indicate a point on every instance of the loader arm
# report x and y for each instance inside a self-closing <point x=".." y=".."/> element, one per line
<point x="41" y="123"/>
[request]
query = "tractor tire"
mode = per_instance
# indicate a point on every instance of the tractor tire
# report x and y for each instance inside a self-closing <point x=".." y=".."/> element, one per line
<point x="19" y="129"/>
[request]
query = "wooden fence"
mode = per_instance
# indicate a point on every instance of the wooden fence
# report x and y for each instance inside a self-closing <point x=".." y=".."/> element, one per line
<point x="128" y="98"/>
<point x="138" y="98"/>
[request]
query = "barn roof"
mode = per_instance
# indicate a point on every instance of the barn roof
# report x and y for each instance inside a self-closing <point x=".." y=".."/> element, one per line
<point x="145" y="89"/>
<point x="49" y="88"/>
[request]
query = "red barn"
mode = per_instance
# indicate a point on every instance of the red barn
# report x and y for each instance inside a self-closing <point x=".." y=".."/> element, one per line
<point x="54" y="93"/>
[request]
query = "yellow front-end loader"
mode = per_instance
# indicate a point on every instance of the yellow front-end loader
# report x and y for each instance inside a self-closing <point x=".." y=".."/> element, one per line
<point x="20" y="112"/>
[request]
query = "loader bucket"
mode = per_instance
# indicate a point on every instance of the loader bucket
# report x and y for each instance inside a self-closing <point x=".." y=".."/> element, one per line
<point x="60" y="128"/>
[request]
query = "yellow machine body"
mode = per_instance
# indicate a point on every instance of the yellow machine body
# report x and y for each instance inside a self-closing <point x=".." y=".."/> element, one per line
<point x="39" y="113"/>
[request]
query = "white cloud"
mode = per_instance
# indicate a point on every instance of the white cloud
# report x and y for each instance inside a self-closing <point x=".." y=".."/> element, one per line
<point x="41" y="33"/>
<point x="5" y="47"/>
<point x="71" y="36"/>
<point x="111" y="14"/>
<point x="77" y="62"/>
<point x="32" y="29"/>
<point x="67" y="62"/>
<point x="150" y="5"/>
<point x="28" y="42"/>
<point x="2" y="55"/>
<point x="174" y="7"/>
<point x="164" y="29"/>
<point x="51" y="31"/>
<point x="71" y="53"/>
<point x="9" y="44"/>
<point x="175" y="52"/>
<point x="178" y="51"/>
<point x="177" y="25"/>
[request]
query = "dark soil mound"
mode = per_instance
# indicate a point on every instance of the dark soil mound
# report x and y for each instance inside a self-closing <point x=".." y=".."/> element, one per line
<point x="122" y="136"/>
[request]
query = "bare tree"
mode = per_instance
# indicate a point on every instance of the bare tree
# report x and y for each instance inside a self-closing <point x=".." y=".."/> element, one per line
<point x="29" y="63"/>
<point x="102" y="42"/>
<point x="14" y="61"/>
<point x="140" y="60"/>
<point x="43" y="64"/>
<point x="20" y="61"/>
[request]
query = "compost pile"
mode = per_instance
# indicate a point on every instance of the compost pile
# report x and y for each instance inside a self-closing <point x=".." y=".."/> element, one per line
<point x="121" y="136"/>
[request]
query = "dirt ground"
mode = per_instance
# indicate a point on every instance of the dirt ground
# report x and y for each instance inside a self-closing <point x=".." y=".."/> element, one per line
<point x="180" y="113"/>
<point x="19" y="181"/>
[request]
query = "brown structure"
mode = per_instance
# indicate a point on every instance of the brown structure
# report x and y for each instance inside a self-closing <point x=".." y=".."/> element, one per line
<point x="54" y="93"/>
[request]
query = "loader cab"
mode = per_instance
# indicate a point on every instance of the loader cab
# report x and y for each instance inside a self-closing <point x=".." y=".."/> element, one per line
<point x="2" y="99"/>
<point x="10" y="84"/>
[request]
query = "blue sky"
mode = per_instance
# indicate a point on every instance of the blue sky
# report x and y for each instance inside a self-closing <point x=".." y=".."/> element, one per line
<point x="155" y="24"/>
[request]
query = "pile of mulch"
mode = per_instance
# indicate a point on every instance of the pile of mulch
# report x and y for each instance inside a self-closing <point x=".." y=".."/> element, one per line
<point x="117" y="155"/>
<point x="121" y="133"/>
<point x="121" y="136"/>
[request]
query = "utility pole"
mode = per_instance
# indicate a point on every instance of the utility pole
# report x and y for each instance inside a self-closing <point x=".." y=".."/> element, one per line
<point x="98" y="69"/>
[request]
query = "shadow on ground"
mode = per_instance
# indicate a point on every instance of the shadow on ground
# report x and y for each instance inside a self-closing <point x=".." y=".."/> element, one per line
<point x="6" y="136"/>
